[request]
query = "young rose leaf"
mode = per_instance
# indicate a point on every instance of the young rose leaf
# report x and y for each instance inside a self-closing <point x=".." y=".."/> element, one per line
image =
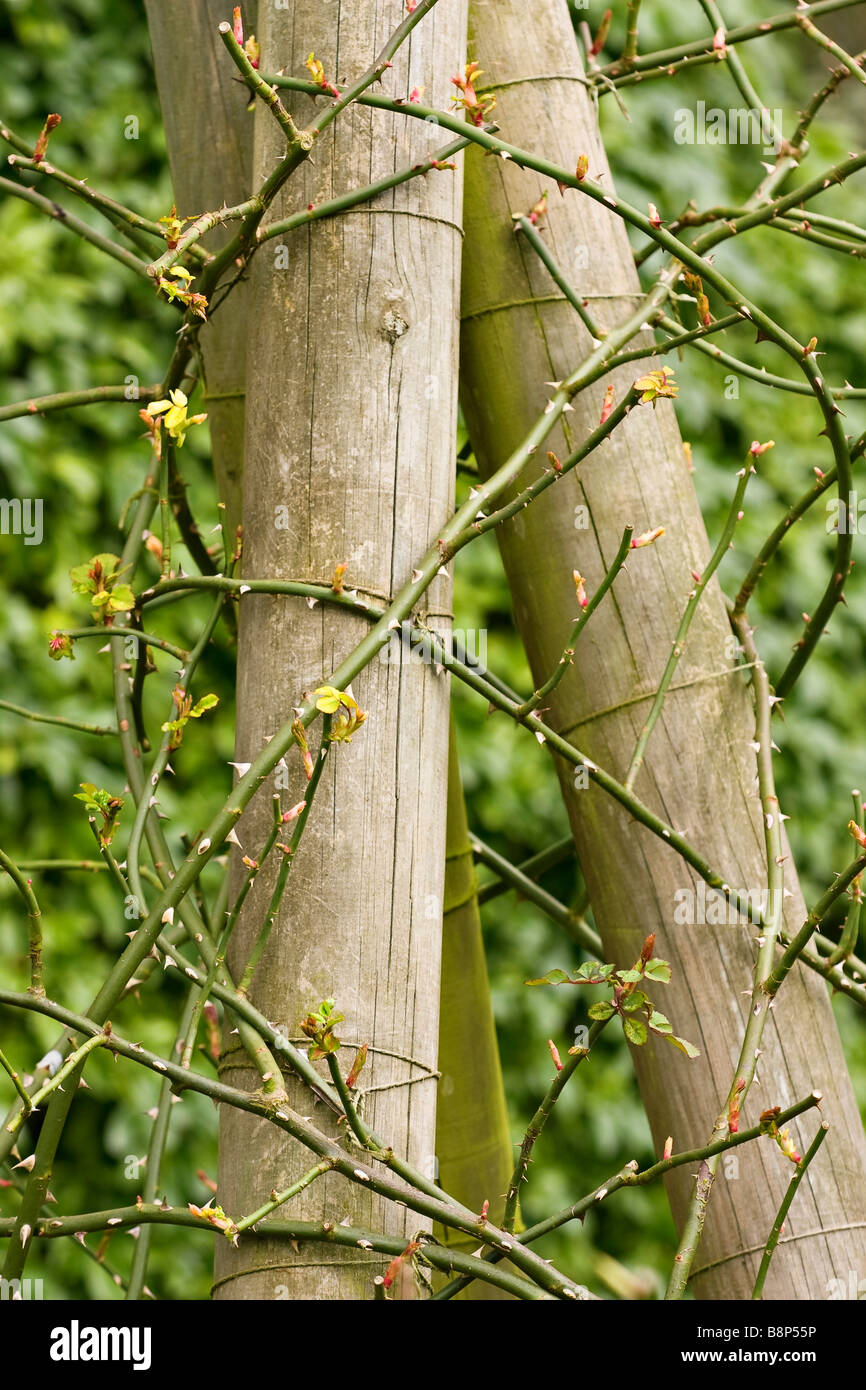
<point x="635" y="1030"/>
<point x="589" y="969"/>
<point x="357" y="1065"/>
<point x="601" y="1010"/>
<point x="688" y="1048"/>
<point x="329" y="699"/>
<point x="592" y="972"/>
<point x="173" y="412"/>
<point x="476" y="105"/>
<point x="81" y="581"/>
<point x="655" y="384"/>
<point x="205" y="703"/>
<point x="659" y="1024"/>
<point x="87" y="579"/>
<point x="659" y="970"/>
<point x="100" y="802"/>
<point x="632" y="1002"/>
<point x="121" y="599"/>
<point x="553" y="977"/>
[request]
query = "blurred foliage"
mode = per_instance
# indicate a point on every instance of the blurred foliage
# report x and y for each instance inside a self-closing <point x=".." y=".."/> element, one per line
<point x="70" y="318"/>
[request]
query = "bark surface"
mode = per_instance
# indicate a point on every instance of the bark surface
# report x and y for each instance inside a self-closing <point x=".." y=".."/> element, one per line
<point x="351" y="407"/>
<point x="518" y="333"/>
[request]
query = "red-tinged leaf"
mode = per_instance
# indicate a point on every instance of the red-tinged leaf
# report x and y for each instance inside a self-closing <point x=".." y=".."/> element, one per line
<point x="647" y="538"/>
<point x="857" y="834"/>
<point x="357" y="1066"/>
<point x="395" y="1266"/>
<point x="786" y="1144"/>
<point x="538" y="209"/>
<point x="734" y="1106"/>
<point x="477" y="107"/>
<point x="51" y="123"/>
<point x="601" y="36"/>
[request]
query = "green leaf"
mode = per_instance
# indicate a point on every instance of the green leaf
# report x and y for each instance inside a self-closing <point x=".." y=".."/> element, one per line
<point x="635" y="1030"/>
<point x="602" y="1009"/>
<point x="659" y="1023"/>
<point x="107" y="562"/>
<point x="554" y="977"/>
<point x="205" y="703"/>
<point x="121" y="599"/>
<point x="658" y="970"/>
<point x="81" y="581"/>
<point x="629" y="977"/>
<point x="589" y="969"/>
<point x="633" y="1001"/>
<point x="688" y="1048"/>
<point x="330" y="699"/>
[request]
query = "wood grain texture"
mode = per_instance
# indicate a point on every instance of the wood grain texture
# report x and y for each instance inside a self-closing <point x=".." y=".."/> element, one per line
<point x="699" y="773"/>
<point x="351" y="406"/>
